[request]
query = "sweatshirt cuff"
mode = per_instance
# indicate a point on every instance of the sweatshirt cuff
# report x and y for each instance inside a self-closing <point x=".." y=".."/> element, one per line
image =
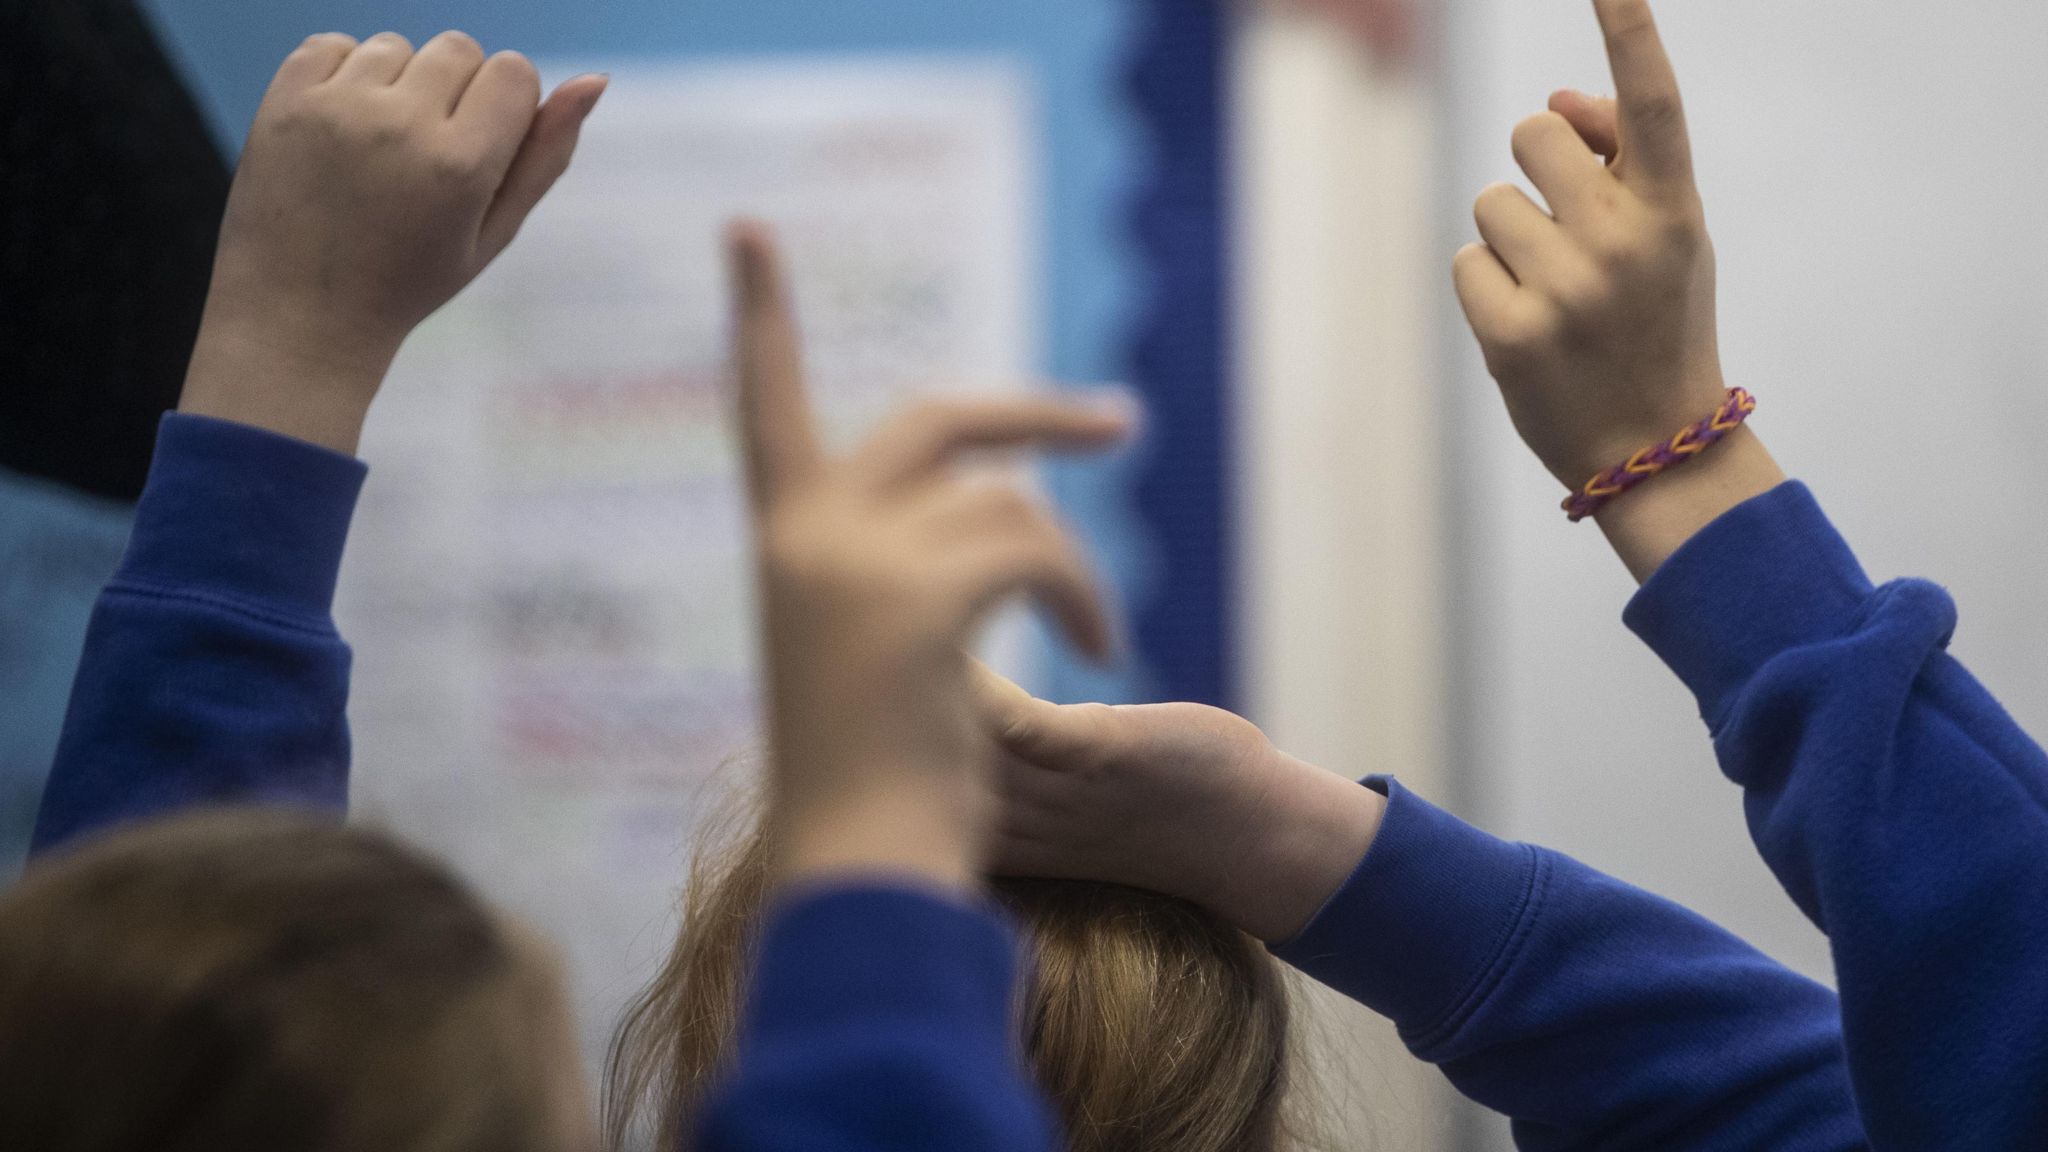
<point x="844" y="958"/>
<point x="1768" y="575"/>
<point x="1426" y="921"/>
<point x="243" y="514"/>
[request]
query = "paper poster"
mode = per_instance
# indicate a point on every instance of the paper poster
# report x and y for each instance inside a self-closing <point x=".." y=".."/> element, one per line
<point x="547" y="586"/>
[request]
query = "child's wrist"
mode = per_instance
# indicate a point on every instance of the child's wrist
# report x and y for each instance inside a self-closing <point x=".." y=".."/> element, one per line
<point x="1656" y="519"/>
<point x="1313" y="830"/>
<point x="906" y="833"/>
<point x="315" y="387"/>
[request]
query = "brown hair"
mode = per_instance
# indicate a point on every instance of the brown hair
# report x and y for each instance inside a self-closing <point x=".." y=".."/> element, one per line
<point x="1151" y="1025"/>
<point x="256" y="981"/>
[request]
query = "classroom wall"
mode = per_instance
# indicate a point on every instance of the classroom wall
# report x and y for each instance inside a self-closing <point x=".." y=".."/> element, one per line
<point x="1873" y="175"/>
<point x="1337" y="427"/>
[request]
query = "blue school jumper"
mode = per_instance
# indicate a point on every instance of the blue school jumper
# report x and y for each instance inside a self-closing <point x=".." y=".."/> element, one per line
<point x="1899" y="805"/>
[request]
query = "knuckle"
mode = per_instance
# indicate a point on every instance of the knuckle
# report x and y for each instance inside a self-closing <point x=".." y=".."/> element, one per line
<point x="1098" y="720"/>
<point x="1494" y="199"/>
<point x="1534" y="131"/>
<point x="1464" y="266"/>
<point x="377" y="133"/>
<point x="517" y="66"/>
<point x="1684" y="232"/>
<point x="457" y="166"/>
<point x="1581" y="292"/>
<point x="1095" y="716"/>
<point x="462" y="42"/>
<point x="1014" y="728"/>
<point x="1605" y="199"/>
<point x="1097" y="728"/>
<point x="324" y="41"/>
<point x="1471" y="262"/>
<point x="1520" y="340"/>
<point x="1657" y="114"/>
<point x="301" y="115"/>
<point x="1613" y="247"/>
<point x="1508" y="349"/>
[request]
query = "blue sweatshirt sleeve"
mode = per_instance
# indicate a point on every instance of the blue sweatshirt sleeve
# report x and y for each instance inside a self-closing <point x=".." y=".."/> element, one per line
<point x="879" y="1020"/>
<point x="1901" y="807"/>
<point x="1593" y="1014"/>
<point x="212" y="672"/>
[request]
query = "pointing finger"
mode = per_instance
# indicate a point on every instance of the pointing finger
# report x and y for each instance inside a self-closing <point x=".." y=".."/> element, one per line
<point x="1655" y="146"/>
<point x="775" y="415"/>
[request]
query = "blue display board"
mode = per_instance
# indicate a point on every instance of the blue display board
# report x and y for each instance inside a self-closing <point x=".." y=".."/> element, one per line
<point x="1133" y="284"/>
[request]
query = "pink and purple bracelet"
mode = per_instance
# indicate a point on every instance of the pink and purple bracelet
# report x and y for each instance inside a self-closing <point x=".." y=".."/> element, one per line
<point x="1661" y="456"/>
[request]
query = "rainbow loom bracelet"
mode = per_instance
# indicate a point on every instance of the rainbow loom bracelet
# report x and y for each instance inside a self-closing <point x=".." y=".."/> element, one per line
<point x="1665" y="454"/>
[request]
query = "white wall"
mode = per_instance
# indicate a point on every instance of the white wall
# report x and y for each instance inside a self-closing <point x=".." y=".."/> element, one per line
<point x="1338" y="418"/>
<point x="1875" y="174"/>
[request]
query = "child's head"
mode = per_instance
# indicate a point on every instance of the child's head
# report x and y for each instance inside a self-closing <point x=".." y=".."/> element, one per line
<point x="256" y="981"/>
<point x="1151" y="1025"/>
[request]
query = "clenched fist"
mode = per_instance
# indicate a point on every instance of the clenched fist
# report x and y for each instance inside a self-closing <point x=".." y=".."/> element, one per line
<point x="376" y="183"/>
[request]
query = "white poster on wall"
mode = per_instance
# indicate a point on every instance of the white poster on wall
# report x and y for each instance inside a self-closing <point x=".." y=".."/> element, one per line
<point x="547" y="586"/>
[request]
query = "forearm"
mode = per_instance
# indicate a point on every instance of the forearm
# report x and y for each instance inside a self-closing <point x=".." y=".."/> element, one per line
<point x="245" y="351"/>
<point x="1308" y="831"/>
<point x="1654" y="520"/>
<point x="1900" y="806"/>
<point x="1591" y="1013"/>
<point x="211" y="671"/>
<point x="918" y="836"/>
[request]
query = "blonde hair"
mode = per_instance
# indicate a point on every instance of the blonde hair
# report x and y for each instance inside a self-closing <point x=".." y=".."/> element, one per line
<point x="1150" y="1025"/>
<point x="256" y="982"/>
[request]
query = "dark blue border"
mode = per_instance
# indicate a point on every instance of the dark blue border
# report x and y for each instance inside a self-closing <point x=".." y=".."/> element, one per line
<point x="1181" y="348"/>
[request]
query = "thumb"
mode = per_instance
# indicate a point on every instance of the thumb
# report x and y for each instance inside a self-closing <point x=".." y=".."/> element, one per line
<point x="1597" y="119"/>
<point x="543" y="156"/>
<point x="1007" y="712"/>
<point x="1035" y="730"/>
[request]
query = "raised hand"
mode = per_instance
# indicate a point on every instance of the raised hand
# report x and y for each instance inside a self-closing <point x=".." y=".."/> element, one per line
<point x="376" y="183"/>
<point x="875" y="570"/>
<point x="1183" y="799"/>
<point x="1597" y="315"/>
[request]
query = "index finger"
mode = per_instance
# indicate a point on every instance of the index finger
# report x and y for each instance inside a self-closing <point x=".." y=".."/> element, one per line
<point x="934" y="434"/>
<point x="780" y="443"/>
<point x="1654" y="141"/>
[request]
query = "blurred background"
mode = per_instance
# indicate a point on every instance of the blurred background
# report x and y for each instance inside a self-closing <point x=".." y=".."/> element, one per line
<point x="1244" y="212"/>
